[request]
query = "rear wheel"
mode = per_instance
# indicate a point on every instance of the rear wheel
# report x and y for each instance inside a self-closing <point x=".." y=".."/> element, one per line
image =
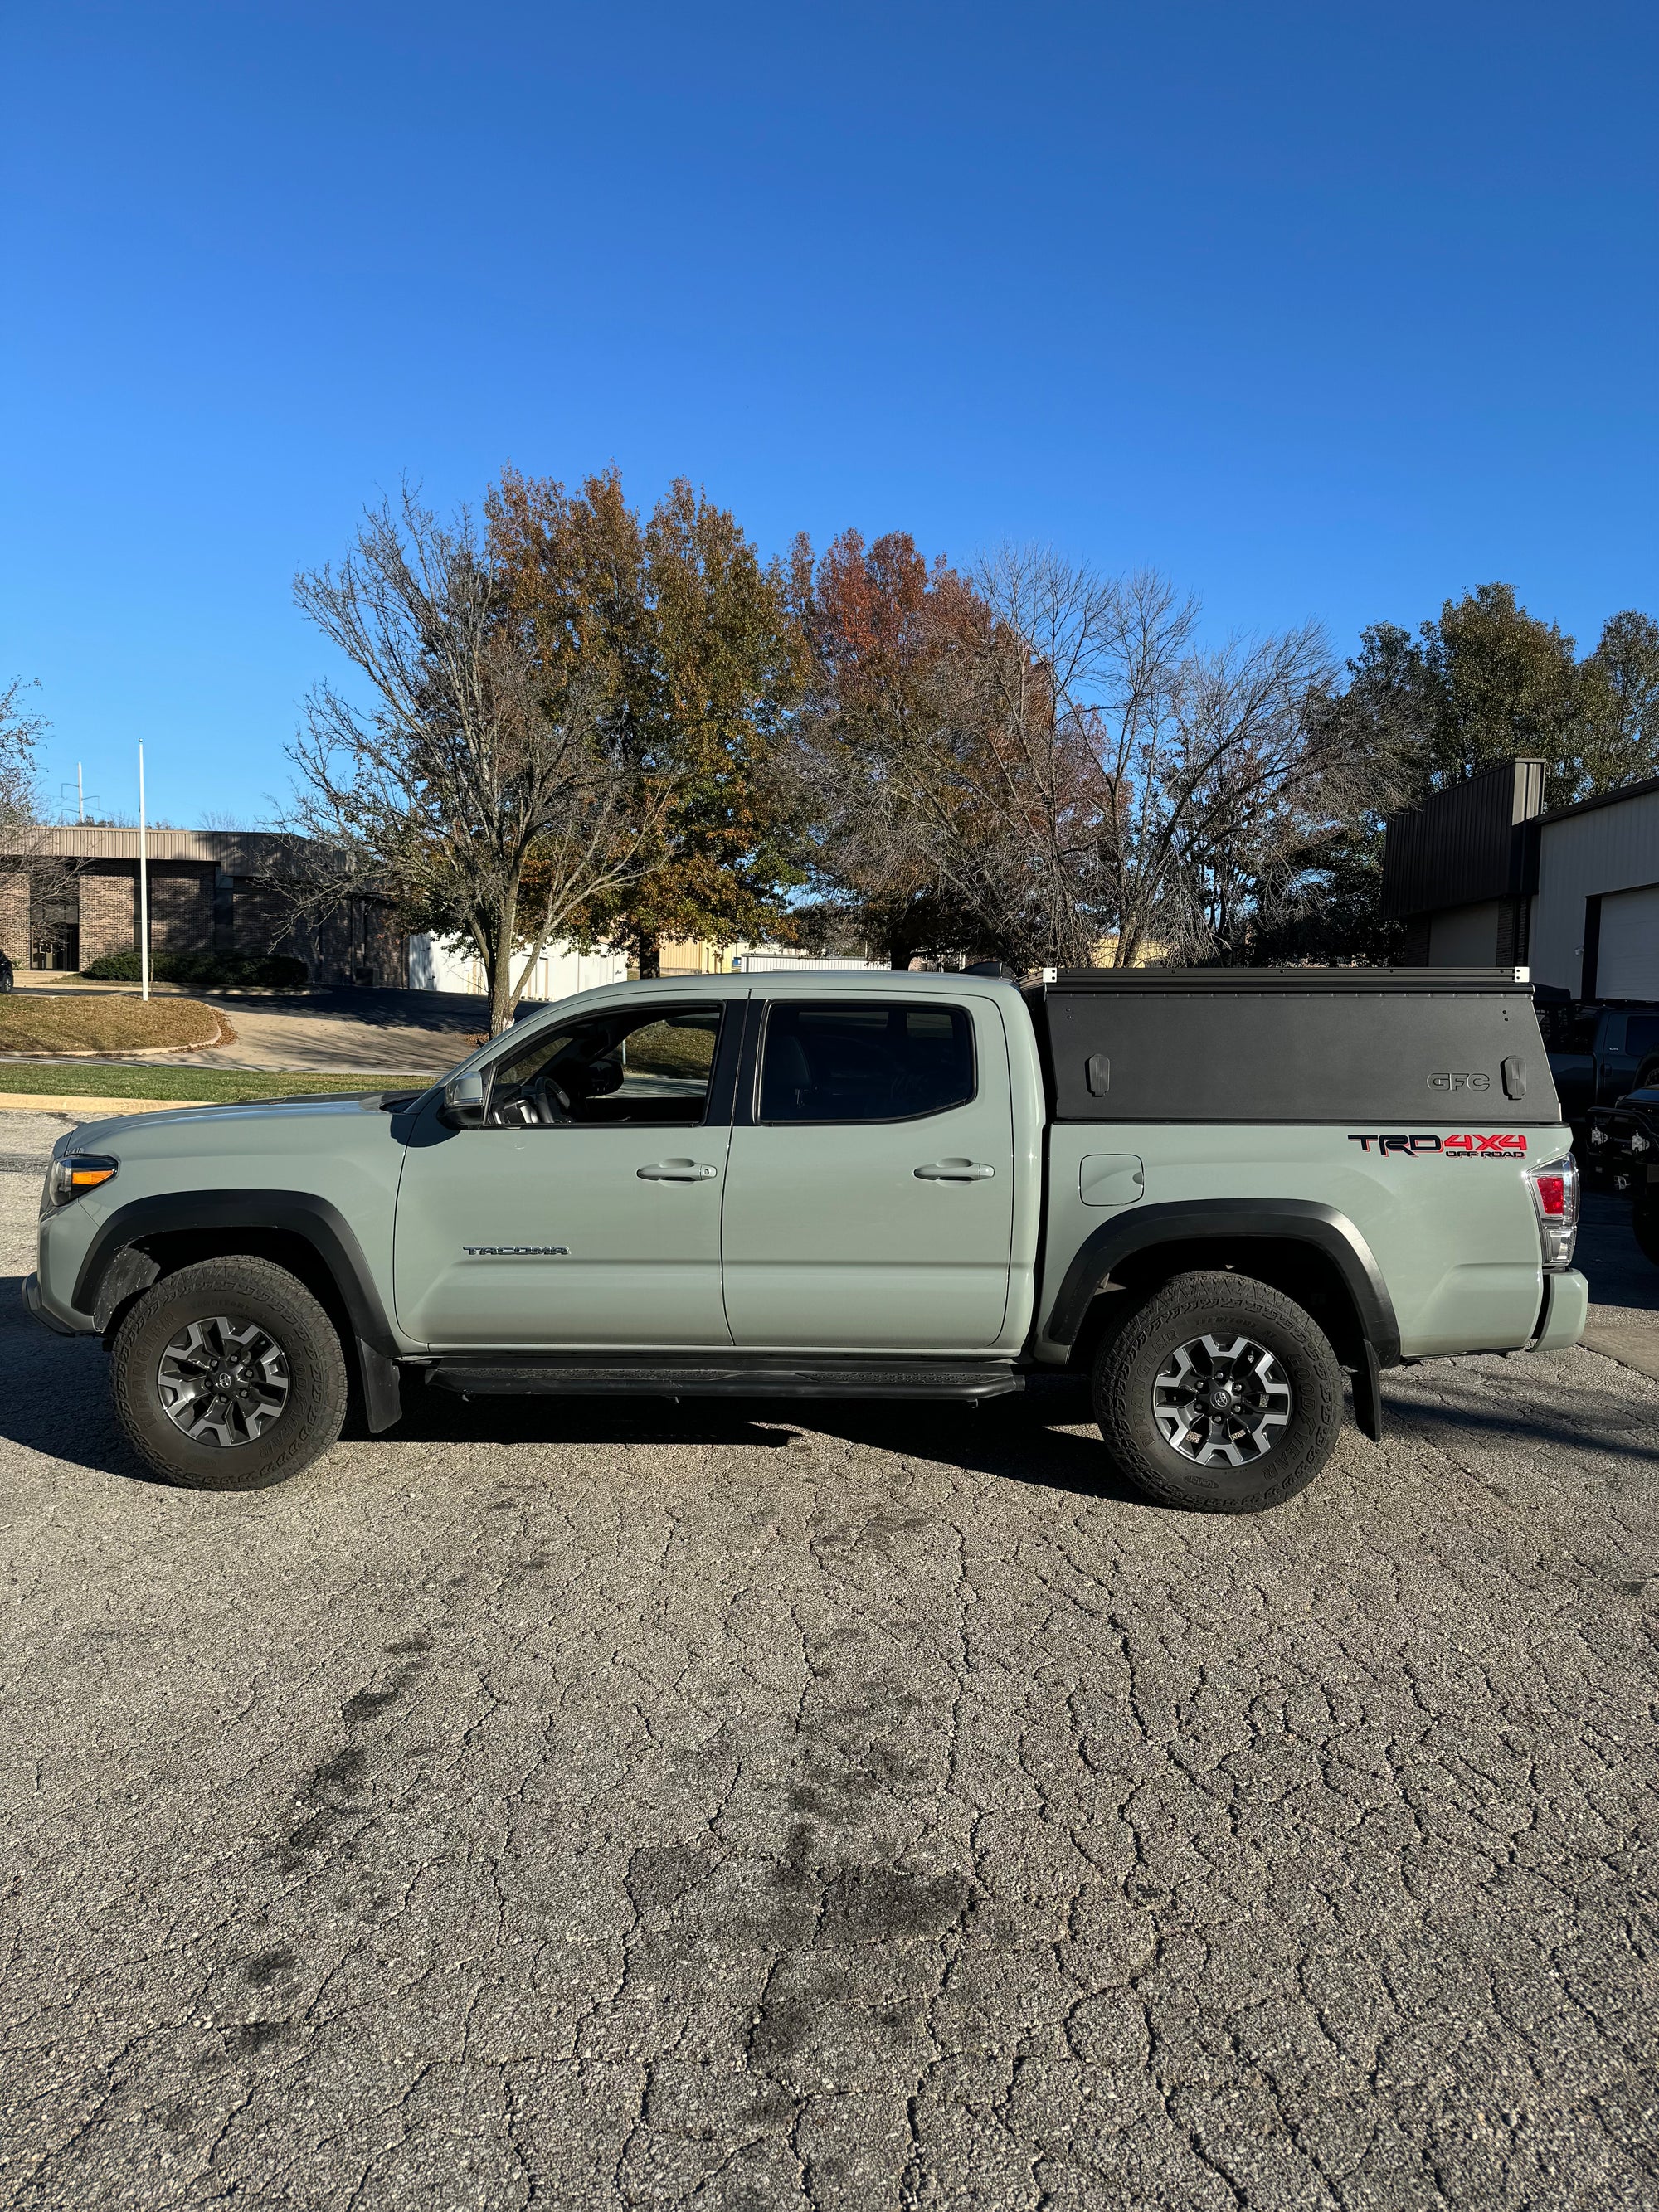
<point x="228" y="1375"/>
<point x="1219" y="1394"/>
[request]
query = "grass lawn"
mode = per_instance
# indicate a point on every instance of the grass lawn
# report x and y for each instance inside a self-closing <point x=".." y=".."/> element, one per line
<point x="32" y="1023"/>
<point x="206" y="1085"/>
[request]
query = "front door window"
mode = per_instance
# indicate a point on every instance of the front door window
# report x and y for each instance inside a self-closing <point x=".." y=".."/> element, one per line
<point x="638" y="1067"/>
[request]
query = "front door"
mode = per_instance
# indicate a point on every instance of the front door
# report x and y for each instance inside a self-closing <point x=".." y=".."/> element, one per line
<point x="869" y="1202"/>
<point x="587" y="1211"/>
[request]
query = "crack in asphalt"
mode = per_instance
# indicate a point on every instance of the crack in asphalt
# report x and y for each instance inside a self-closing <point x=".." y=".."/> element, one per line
<point x="559" y="1807"/>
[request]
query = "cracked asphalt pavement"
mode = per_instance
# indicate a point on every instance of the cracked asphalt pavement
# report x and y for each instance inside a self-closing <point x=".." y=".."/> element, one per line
<point x="583" y="1806"/>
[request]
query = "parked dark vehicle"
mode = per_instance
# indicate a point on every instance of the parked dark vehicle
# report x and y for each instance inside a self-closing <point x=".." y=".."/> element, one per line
<point x="1624" y="1151"/>
<point x="1597" y="1053"/>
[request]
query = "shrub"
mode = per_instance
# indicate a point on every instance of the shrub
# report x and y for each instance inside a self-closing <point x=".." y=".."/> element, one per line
<point x="202" y="971"/>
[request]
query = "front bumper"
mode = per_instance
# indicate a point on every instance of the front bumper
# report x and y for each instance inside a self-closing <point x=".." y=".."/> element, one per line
<point x="61" y="1324"/>
<point x="1623" y="1147"/>
<point x="1566" y="1306"/>
<point x="42" y="1312"/>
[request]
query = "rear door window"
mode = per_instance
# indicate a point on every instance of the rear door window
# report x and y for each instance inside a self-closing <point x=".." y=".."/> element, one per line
<point x="831" y="1060"/>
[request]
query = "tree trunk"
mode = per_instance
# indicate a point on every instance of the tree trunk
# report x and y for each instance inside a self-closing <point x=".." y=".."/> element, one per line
<point x="501" y="969"/>
<point x="650" y="955"/>
<point x="500" y="991"/>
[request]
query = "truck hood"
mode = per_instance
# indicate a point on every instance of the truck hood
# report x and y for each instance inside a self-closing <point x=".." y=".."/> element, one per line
<point x="190" y="1132"/>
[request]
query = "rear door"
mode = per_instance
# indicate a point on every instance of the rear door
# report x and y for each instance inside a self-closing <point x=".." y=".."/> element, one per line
<point x="869" y="1199"/>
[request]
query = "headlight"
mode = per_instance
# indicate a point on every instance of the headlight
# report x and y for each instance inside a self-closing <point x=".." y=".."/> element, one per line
<point x="72" y="1174"/>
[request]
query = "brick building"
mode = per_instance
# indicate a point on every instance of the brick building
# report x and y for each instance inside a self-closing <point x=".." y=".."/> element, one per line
<point x="209" y="891"/>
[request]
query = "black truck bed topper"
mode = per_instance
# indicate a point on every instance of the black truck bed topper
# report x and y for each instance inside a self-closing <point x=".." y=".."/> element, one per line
<point x="1399" y="1048"/>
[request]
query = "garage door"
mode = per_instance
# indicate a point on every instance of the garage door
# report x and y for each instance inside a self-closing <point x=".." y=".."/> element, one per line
<point x="1627" y="964"/>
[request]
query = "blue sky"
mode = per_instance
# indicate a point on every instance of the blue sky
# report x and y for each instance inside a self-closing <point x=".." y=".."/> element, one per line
<point x="1328" y="311"/>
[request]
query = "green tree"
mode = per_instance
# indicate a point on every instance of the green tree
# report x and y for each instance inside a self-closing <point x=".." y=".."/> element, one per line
<point x="1627" y="661"/>
<point x="1504" y="683"/>
<point x="709" y="661"/>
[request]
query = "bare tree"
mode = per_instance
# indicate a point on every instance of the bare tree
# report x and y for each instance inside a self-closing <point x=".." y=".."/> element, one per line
<point x="1154" y="792"/>
<point x="486" y="783"/>
<point x="27" y="857"/>
<point x="22" y="821"/>
<point x="1048" y="765"/>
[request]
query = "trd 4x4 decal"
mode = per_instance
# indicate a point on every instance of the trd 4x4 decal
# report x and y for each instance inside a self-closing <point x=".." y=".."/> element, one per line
<point x="1467" y="1143"/>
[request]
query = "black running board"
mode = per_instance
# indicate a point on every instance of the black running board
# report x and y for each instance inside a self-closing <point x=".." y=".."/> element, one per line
<point x="723" y="1376"/>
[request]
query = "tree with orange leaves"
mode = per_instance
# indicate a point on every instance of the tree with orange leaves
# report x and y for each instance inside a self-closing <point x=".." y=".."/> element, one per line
<point x="709" y="661"/>
<point x="890" y="742"/>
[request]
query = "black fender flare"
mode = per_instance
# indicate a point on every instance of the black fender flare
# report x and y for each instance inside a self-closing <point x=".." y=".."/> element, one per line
<point x="1283" y="1220"/>
<point x="295" y="1212"/>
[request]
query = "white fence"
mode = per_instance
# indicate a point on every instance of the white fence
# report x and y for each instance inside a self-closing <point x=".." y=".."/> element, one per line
<point x="447" y="964"/>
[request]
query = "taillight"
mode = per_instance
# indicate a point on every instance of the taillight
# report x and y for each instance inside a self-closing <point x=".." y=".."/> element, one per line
<point x="1555" y="1196"/>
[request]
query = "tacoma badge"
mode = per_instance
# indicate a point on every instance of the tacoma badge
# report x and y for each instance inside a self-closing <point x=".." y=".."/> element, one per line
<point x="516" y="1251"/>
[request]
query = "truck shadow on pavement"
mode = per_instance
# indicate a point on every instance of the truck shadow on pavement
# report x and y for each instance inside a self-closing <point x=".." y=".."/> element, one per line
<point x="1443" y="1425"/>
<point x="55" y="1402"/>
<point x="1023" y="1439"/>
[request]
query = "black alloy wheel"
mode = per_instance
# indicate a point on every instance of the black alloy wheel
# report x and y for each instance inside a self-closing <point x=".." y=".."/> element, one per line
<point x="229" y="1375"/>
<point x="1219" y="1394"/>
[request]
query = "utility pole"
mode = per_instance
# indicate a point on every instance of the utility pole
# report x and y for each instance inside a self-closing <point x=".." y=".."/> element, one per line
<point x="143" y="885"/>
<point x="80" y="794"/>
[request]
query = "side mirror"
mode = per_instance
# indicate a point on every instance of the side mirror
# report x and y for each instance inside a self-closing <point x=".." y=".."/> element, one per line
<point x="464" y="1103"/>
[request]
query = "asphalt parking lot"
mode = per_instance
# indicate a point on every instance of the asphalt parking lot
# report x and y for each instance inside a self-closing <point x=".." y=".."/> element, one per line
<point x="575" y="1806"/>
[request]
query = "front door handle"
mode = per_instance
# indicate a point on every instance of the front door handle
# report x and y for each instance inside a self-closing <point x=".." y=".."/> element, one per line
<point x="955" y="1171"/>
<point x="675" y="1171"/>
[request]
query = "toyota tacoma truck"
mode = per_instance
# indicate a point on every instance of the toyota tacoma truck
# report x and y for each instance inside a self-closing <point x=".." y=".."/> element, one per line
<point x="1215" y="1193"/>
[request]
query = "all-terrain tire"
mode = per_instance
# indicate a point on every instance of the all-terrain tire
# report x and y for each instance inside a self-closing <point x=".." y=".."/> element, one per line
<point x="1226" y="1308"/>
<point x="1644" y="1220"/>
<point x="312" y="1367"/>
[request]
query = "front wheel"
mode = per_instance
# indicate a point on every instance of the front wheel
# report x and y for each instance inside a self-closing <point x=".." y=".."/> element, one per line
<point x="228" y="1375"/>
<point x="1219" y="1394"/>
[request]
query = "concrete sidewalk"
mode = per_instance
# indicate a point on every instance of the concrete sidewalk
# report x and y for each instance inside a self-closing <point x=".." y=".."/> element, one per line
<point x="300" y="1033"/>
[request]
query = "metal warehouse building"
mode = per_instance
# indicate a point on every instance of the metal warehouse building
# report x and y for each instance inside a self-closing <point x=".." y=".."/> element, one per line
<point x="1482" y="876"/>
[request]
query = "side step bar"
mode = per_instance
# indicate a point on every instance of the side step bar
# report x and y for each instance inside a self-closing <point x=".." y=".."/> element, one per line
<point x="723" y="1376"/>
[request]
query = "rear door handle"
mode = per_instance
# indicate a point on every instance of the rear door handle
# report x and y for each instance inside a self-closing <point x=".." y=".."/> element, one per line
<point x="954" y="1171"/>
<point x="675" y="1171"/>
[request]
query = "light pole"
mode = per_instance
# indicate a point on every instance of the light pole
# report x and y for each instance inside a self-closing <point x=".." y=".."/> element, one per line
<point x="143" y="885"/>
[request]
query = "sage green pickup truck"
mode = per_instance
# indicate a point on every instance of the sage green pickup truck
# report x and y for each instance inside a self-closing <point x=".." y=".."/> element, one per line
<point x="1213" y="1193"/>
